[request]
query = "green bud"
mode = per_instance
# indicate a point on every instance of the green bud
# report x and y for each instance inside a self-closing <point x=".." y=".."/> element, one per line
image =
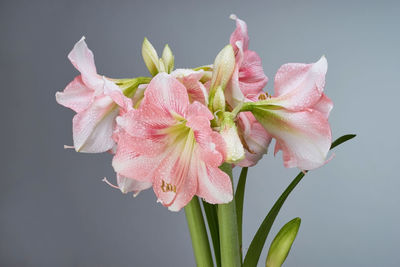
<point x="168" y="59"/>
<point x="282" y="243"/>
<point x="223" y="67"/>
<point x="150" y="57"/>
<point x="161" y="66"/>
<point x="218" y="103"/>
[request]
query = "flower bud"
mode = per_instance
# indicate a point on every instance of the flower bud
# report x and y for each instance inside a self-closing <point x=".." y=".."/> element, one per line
<point x="229" y="132"/>
<point x="282" y="243"/>
<point x="224" y="65"/>
<point x="168" y="59"/>
<point x="161" y="66"/>
<point x="150" y="57"/>
<point x="218" y="103"/>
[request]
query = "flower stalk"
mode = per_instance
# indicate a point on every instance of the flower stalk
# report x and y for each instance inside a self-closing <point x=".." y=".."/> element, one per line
<point x="198" y="233"/>
<point x="228" y="230"/>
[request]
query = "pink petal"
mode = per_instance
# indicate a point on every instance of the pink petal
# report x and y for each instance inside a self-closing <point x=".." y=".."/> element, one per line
<point x="256" y="138"/>
<point x="93" y="127"/>
<point x="115" y="92"/>
<point x="191" y="80"/>
<point x="240" y="34"/>
<point x="214" y="185"/>
<point x="129" y="163"/>
<point x="83" y="60"/>
<point x="304" y="136"/>
<point x="251" y="75"/>
<point x="167" y="94"/>
<point x="324" y="105"/>
<point x="75" y="96"/>
<point x="298" y="86"/>
<point x="174" y="171"/>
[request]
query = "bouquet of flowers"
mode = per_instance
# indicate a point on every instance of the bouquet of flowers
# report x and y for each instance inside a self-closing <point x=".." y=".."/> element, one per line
<point x="181" y="131"/>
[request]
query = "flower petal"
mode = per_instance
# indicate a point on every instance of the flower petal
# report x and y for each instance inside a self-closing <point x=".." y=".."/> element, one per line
<point x="298" y="86"/>
<point x="214" y="185"/>
<point x="191" y="80"/>
<point x="127" y="185"/>
<point x="76" y="96"/>
<point x="129" y="163"/>
<point x="93" y="127"/>
<point x="174" y="183"/>
<point x="251" y="75"/>
<point x="167" y="94"/>
<point x="255" y="137"/>
<point x="304" y="136"/>
<point x="240" y="34"/>
<point x="83" y="60"/>
<point x="324" y="105"/>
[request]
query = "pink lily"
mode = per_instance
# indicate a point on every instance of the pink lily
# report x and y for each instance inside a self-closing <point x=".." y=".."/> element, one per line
<point x="247" y="82"/>
<point x="95" y="99"/>
<point x="297" y="115"/>
<point x="168" y="142"/>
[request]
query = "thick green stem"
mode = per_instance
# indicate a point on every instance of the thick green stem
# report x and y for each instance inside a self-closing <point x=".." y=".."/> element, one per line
<point x="198" y="233"/>
<point x="228" y="231"/>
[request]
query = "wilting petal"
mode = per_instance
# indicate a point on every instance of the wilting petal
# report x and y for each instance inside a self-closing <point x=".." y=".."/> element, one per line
<point x="298" y="86"/>
<point x="83" y="60"/>
<point x="127" y="185"/>
<point x="303" y="136"/>
<point x="75" y="96"/>
<point x="93" y="127"/>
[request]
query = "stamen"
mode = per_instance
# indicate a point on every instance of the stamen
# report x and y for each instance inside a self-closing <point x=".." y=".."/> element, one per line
<point x="68" y="147"/>
<point x="110" y="184"/>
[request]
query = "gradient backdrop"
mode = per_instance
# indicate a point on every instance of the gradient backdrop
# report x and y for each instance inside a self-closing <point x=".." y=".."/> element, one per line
<point x="54" y="209"/>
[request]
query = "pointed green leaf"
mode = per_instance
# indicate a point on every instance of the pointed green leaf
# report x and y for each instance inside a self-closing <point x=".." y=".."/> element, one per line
<point x="239" y="199"/>
<point x="342" y="139"/>
<point x="212" y="220"/>
<point x="257" y="244"/>
<point x="282" y="243"/>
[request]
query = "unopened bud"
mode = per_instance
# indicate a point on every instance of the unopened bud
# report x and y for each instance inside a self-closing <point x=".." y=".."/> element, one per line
<point x="234" y="147"/>
<point x="168" y="59"/>
<point x="150" y="57"/>
<point x="282" y="243"/>
<point x="218" y="103"/>
<point x="161" y="66"/>
<point x="224" y="65"/>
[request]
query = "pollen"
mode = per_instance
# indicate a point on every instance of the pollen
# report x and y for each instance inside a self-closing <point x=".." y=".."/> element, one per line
<point x="264" y="96"/>
<point x="167" y="187"/>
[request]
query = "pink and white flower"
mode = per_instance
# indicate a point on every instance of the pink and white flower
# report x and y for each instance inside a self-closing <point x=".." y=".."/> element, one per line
<point x="95" y="99"/>
<point x="169" y="143"/>
<point x="297" y="115"/>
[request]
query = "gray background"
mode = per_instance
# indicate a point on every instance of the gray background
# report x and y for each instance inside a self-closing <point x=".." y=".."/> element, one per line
<point x="54" y="209"/>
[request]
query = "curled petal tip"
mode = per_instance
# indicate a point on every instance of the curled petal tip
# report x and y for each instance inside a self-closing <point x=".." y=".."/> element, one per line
<point x="233" y="16"/>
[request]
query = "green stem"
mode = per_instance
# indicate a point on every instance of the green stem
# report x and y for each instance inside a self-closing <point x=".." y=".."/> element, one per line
<point x="228" y="231"/>
<point x="198" y="233"/>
